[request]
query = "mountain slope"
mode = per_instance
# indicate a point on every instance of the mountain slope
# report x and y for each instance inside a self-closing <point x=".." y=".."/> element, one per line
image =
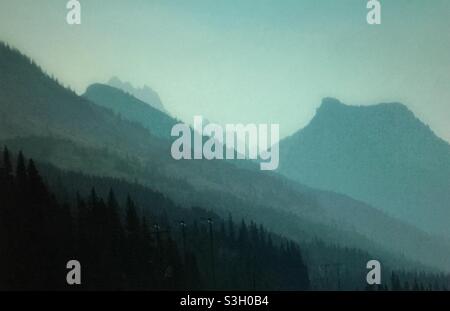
<point x="32" y="103"/>
<point x="131" y="108"/>
<point x="381" y="154"/>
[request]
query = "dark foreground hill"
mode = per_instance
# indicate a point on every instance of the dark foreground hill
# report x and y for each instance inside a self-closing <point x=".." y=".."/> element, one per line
<point x="124" y="246"/>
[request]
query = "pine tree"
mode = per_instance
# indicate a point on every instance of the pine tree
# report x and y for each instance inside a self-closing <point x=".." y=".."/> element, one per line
<point x="21" y="173"/>
<point x="114" y="223"/>
<point x="395" y="282"/>
<point x="132" y="219"/>
<point x="231" y="233"/>
<point x="7" y="163"/>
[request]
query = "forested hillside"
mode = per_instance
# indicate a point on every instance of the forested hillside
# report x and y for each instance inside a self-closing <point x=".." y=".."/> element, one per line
<point x="122" y="246"/>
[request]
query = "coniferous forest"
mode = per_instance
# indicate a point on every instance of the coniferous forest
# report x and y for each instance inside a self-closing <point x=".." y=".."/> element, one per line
<point x="121" y="249"/>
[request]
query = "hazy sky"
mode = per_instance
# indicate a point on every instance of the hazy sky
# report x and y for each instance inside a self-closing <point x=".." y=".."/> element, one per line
<point x="247" y="61"/>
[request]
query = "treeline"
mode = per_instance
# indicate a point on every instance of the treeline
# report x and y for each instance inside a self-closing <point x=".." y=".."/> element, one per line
<point x="406" y="281"/>
<point x="135" y="238"/>
<point x="35" y="231"/>
<point x="125" y="247"/>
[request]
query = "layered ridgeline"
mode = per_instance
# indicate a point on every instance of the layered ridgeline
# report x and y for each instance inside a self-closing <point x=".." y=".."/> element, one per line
<point x="131" y="108"/>
<point x="380" y="154"/>
<point x="144" y="94"/>
<point x="54" y="125"/>
<point x="32" y="103"/>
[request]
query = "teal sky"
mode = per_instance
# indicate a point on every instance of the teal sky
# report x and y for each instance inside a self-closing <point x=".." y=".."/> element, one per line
<point x="247" y="61"/>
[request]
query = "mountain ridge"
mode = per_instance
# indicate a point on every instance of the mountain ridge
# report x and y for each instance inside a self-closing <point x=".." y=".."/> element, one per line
<point x="145" y="94"/>
<point x="131" y="108"/>
<point x="381" y="154"/>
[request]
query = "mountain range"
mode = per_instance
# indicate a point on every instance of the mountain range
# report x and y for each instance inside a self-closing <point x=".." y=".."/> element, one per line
<point x="107" y="132"/>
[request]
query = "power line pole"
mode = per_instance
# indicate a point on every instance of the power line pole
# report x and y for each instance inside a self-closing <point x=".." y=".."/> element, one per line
<point x="337" y="267"/>
<point x="338" y="272"/>
<point x="211" y="248"/>
<point x="326" y="266"/>
<point x="183" y="234"/>
<point x="157" y="233"/>
<point x="211" y="239"/>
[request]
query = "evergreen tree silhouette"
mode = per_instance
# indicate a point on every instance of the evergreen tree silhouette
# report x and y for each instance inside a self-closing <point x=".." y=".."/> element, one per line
<point x="117" y="247"/>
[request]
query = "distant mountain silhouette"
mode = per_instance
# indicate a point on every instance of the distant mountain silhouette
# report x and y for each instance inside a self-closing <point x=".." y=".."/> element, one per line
<point x="380" y="154"/>
<point x="145" y="94"/>
<point x="131" y="108"/>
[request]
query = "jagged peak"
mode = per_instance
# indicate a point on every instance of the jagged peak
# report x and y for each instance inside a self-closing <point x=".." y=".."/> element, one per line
<point x="144" y="93"/>
<point x="96" y="86"/>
